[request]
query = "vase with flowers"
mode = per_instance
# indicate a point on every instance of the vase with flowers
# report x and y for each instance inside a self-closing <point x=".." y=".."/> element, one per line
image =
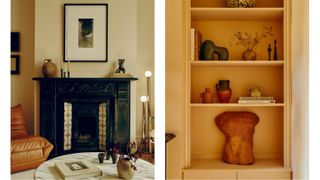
<point x="250" y="42"/>
<point x="126" y="163"/>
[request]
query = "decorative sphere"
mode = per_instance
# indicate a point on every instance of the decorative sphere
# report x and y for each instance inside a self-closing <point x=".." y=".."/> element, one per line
<point x="148" y="74"/>
<point x="143" y="98"/>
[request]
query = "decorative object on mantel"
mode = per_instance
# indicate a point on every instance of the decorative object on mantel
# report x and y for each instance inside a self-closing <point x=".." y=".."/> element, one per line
<point x="208" y="49"/>
<point x="224" y="91"/>
<point x="49" y="69"/>
<point x="207" y="96"/>
<point x="275" y="55"/>
<point x="250" y="42"/>
<point x="121" y="71"/>
<point x="238" y="128"/>
<point x="240" y="3"/>
<point x="15" y="64"/>
<point x="121" y="68"/>
<point x="86" y="32"/>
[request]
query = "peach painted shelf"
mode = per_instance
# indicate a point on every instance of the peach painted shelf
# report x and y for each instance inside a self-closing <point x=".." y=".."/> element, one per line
<point x="235" y="105"/>
<point x="264" y="164"/>
<point x="239" y="14"/>
<point x="237" y="63"/>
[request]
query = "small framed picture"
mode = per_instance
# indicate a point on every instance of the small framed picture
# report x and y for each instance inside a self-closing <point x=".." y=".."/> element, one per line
<point x="86" y="32"/>
<point x="15" y="41"/>
<point x="15" y="64"/>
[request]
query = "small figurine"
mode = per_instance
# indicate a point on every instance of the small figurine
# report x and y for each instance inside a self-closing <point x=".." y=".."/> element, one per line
<point x="275" y="55"/>
<point x="269" y="52"/>
<point x="121" y="69"/>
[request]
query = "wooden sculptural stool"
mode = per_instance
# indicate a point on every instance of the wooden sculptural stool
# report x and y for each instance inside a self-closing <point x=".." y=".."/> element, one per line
<point x="238" y="128"/>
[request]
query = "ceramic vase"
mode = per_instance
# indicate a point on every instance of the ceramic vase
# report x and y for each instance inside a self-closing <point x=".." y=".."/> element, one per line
<point x="207" y="96"/>
<point x="240" y="3"/>
<point x="101" y="156"/>
<point x="224" y="92"/>
<point x="125" y="168"/>
<point x="249" y="54"/>
<point x="114" y="158"/>
<point x="49" y="69"/>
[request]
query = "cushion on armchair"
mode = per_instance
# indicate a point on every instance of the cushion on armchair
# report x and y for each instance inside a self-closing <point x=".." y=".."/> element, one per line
<point x="18" y="123"/>
<point x="27" y="152"/>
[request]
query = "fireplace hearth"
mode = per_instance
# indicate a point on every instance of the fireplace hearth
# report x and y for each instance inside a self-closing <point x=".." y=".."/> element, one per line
<point x="84" y="114"/>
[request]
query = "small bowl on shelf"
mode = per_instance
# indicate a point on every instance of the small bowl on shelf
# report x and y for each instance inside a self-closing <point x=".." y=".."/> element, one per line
<point x="240" y="3"/>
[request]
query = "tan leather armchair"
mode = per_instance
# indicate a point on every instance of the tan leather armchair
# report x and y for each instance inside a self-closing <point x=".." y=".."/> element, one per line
<point x="27" y="152"/>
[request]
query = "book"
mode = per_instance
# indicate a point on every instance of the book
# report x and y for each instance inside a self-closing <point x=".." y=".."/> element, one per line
<point x="197" y="46"/>
<point x="256" y="98"/>
<point x="256" y="101"/>
<point x="77" y="169"/>
<point x="192" y="44"/>
<point x="121" y="75"/>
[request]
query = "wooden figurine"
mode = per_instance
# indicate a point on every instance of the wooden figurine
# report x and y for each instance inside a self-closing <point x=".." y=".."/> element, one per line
<point x="269" y="52"/>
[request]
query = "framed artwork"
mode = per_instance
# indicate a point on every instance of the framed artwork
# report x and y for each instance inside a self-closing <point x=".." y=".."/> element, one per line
<point x="86" y="32"/>
<point x="15" y="41"/>
<point x="15" y="64"/>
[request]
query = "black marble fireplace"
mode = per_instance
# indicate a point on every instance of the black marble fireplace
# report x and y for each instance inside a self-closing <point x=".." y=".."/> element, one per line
<point x="84" y="114"/>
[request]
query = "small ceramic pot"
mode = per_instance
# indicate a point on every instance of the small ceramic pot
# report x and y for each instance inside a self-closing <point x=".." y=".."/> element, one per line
<point x="207" y="96"/>
<point x="125" y="168"/>
<point x="101" y="156"/>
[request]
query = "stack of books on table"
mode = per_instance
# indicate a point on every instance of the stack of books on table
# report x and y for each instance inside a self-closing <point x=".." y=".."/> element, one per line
<point x="256" y="100"/>
<point x="77" y="169"/>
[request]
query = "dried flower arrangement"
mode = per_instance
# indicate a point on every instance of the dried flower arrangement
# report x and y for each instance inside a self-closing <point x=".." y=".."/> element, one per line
<point x="247" y="40"/>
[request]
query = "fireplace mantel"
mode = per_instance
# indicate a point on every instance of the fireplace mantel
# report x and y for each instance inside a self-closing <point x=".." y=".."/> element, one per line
<point x="55" y="91"/>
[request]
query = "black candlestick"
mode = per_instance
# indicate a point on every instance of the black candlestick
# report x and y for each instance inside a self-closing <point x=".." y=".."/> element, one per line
<point x="68" y="74"/>
<point x="269" y="52"/>
<point x="61" y="72"/>
<point x="275" y="55"/>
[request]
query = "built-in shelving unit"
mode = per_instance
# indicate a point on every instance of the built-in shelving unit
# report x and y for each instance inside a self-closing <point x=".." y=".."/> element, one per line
<point x="204" y="141"/>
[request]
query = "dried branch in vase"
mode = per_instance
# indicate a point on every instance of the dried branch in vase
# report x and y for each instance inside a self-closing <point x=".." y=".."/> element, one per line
<point x="249" y="41"/>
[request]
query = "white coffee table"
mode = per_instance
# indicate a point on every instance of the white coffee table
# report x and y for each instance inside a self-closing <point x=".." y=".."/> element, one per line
<point x="47" y="170"/>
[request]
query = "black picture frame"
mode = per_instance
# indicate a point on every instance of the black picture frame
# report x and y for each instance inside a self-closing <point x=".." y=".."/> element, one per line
<point x="15" y="41"/>
<point x="15" y="64"/>
<point x="96" y="47"/>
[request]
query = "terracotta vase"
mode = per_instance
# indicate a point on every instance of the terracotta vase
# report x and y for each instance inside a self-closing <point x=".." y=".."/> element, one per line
<point x="49" y="69"/>
<point x="125" y="168"/>
<point x="249" y="54"/>
<point x="207" y="96"/>
<point x="223" y="91"/>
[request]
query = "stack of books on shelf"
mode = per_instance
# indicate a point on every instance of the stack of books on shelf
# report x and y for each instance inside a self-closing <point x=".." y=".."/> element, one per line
<point x="256" y="100"/>
<point x="195" y="44"/>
